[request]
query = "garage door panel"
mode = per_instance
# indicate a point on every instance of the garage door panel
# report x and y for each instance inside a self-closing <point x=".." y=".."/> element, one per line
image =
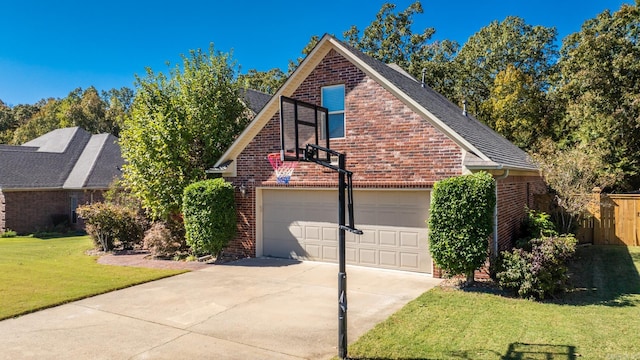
<point x="367" y="257"/>
<point x="388" y="238"/>
<point x="389" y="258"/>
<point x="368" y="237"/>
<point x="330" y="253"/>
<point x="313" y="251"/>
<point x="279" y="247"/>
<point x="312" y="232"/>
<point x="409" y="261"/>
<point x="350" y="255"/>
<point x="303" y="224"/>
<point x="409" y="239"/>
<point x="330" y="234"/>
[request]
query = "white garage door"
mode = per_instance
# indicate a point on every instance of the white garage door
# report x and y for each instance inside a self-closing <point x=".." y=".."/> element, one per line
<point x="302" y="224"/>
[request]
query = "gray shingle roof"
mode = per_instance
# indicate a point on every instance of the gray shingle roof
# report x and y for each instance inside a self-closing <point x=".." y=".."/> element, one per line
<point x="254" y="99"/>
<point x="69" y="158"/>
<point x="492" y="145"/>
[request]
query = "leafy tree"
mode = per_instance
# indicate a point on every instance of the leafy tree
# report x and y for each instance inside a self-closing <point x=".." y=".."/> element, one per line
<point x="572" y="173"/>
<point x="119" y="103"/>
<point x="12" y="118"/>
<point x="529" y="49"/>
<point x="390" y="39"/>
<point x="84" y="109"/>
<point x="179" y="126"/>
<point x="6" y="121"/>
<point x="517" y="108"/>
<point x="600" y="73"/>
<point x="461" y="221"/>
<point x="266" y="81"/>
<point x="40" y="123"/>
<point x="94" y="112"/>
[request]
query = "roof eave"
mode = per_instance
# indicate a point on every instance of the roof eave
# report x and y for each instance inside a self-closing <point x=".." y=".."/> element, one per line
<point x="414" y="105"/>
<point x="269" y="110"/>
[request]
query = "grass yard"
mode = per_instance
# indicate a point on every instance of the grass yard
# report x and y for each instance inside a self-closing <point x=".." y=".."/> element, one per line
<point x="599" y="319"/>
<point x="40" y="273"/>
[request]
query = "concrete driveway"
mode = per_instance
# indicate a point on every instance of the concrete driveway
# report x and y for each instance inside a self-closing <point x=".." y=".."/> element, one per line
<point x="249" y="309"/>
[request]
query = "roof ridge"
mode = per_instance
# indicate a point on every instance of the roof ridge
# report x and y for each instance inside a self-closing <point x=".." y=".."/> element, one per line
<point x="86" y="162"/>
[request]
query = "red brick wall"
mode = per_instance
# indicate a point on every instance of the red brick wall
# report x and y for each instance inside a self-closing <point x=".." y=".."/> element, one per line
<point x="514" y="193"/>
<point x="31" y="211"/>
<point x="387" y="146"/>
<point x="2" y="222"/>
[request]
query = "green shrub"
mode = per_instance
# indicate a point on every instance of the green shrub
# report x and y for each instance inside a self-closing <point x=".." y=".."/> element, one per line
<point x="538" y="273"/>
<point x="461" y="221"/>
<point x="161" y="242"/>
<point x="111" y="224"/>
<point x="209" y="215"/>
<point x="8" y="233"/>
<point x="535" y="225"/>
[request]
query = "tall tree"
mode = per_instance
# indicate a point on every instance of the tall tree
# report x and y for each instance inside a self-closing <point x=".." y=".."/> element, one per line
<point x="390" y="39"/>
<point x="119" y="103"/>
<point x="600" y="85"/>
<point x="179" y="126"/>
<point x="531" y="50"/>
<point x="266" y="81"/>
<point x="517" y="107"/>
<point x="88" y="109"/>
<point x="43" y="121"/>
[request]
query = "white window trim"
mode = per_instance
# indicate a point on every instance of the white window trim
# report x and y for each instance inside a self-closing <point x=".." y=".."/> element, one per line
<point x="343" y="112"/>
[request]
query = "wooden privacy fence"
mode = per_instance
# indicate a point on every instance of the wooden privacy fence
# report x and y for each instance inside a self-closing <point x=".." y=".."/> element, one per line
<point x="616" y="219"/>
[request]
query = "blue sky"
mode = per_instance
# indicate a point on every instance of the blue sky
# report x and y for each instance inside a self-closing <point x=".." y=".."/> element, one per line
<point x="48" y="48"/>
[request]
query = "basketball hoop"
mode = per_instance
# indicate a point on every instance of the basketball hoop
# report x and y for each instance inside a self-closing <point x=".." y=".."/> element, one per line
<point x="282" y="169"/>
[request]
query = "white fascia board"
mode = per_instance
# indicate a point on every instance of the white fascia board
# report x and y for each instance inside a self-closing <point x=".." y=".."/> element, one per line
<point x="269" y="110"/>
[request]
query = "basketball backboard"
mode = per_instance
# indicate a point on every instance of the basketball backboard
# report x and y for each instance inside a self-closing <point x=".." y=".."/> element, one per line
<point x="301" y="123"/>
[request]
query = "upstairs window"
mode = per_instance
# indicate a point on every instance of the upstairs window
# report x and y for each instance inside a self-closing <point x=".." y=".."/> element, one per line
<point x="333" y="100"/>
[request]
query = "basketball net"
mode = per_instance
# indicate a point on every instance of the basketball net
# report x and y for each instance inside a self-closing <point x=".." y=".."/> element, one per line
<point x="282" y="169"/>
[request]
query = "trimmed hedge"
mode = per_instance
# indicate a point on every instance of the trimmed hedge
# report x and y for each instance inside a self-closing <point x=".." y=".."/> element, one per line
<point x="209" y="211"/>
<point x="461" y="221"/>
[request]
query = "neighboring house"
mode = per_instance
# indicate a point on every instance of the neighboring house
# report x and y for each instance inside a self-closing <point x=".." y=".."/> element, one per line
<point x="399" y="137"/>
<point x="43" y="181"/>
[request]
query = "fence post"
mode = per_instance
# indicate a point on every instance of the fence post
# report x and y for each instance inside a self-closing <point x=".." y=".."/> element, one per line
<point x="594" y="209"/>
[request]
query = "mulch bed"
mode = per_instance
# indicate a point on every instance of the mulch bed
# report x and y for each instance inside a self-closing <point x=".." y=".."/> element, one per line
<point x="142" y="258"/>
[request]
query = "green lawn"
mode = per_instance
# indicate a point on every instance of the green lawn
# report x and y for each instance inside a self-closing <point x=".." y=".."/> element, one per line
<point x="600" y="319"/>
<point x="40" y="273"/>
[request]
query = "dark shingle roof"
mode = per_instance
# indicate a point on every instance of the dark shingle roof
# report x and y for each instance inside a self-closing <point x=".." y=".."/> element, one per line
<point x="64" y="158"/>
<point x="254" y="99"/>
<point x="489" y="143"/>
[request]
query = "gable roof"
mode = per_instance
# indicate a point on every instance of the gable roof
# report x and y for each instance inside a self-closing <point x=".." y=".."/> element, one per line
<point x="484" y="148"/>
<point x="69" y="158"/>
<point x="255" y="100"/>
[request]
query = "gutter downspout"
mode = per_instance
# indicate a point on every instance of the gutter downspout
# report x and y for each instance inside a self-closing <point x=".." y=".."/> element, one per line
<point x="495" y="213"/>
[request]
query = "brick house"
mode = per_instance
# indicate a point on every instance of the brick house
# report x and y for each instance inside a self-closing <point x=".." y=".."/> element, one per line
<point x="399" y="137"/>
<point x="44" y="180"/>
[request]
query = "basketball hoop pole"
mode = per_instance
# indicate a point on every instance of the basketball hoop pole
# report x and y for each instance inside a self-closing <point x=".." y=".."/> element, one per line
<point x="342" y="269"/>
<point x="311" y="155"/>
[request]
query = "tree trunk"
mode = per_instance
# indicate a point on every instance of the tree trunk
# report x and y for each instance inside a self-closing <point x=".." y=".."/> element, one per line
<point x="470" y="278"/>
